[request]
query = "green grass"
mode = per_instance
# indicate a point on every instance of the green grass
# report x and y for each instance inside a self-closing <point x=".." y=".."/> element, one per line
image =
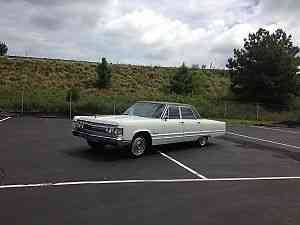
<point x="129" y="80"/>
<point x="46" y="83"/>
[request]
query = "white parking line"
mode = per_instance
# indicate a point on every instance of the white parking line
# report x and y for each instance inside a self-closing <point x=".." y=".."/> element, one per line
<point x="277" y="129"/>
<point x="60" y="184"/>
<point x="263" y="140"/>
<point x="182" y="165"/>
<point x="5" y="119"/>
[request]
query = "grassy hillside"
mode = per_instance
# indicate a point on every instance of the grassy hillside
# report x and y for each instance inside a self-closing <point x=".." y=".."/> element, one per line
<point x="45" y="83"/>
<point x="129" y="80"/>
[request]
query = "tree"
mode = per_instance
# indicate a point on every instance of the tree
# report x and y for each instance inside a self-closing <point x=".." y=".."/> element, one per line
<point x="103" y="74"/>
<point x="265" y="68"/>
<point x="3" y="48"/>
<point x="181" y="82"/>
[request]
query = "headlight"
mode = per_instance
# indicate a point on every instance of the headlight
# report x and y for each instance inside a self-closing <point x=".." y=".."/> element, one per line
<point x="114" y="131"/>
<point x="78" y="124"/>
<point x="75" y="124"/>
<point x="118" y="131"/>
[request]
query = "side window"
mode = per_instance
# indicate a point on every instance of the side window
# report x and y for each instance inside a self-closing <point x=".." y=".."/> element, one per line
<point x="196" y="113"/>
<point x="174" y="112"/>
<point x="187" y="113"/>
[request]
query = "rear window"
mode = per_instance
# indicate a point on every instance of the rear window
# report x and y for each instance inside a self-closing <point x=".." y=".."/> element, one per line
<point x="187" y="113"/>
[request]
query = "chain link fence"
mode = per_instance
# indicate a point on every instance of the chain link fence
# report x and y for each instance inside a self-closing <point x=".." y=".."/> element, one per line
<point x="58" y="103"/>
<point x="253" y="111"/>
<point x="43" y="102"/>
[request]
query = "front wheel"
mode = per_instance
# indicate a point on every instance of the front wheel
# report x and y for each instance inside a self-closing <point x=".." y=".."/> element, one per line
<point x="202" y="141"/>
<point x="93" y="145"/>
<point x="138" y="146"/>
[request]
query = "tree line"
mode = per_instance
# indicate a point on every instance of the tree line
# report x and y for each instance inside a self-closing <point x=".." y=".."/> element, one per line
<point x="265" y="69"/>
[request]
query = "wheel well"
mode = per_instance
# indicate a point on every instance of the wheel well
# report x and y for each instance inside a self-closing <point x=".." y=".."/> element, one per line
<point x="146" y="135"/>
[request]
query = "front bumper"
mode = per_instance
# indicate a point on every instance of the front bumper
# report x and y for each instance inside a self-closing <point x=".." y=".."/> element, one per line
<point x="101" y="139"/>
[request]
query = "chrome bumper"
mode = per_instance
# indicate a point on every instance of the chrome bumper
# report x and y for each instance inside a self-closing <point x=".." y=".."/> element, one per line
<point x="101" y="139"/>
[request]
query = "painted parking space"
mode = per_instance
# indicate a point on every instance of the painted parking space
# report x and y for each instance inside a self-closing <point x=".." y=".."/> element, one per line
<point x="226" y="158"/>
<point x="53" y="177"/>
<point x="43" y="151"/>
<point x="4" y="118"/>
<point x="285" y="136"/>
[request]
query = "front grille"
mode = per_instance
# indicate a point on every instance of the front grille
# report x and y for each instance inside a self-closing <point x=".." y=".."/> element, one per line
<point x="94" y="128"/>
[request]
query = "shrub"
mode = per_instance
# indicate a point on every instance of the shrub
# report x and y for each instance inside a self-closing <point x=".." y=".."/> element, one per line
<point x="103" y="74"/>
<point x="181" y="83"/>
<point x="3" y="48"/>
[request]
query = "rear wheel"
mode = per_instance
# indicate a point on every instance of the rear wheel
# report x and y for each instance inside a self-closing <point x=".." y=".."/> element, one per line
<point x="139" y="146"/>
<point x="202" y="141"/>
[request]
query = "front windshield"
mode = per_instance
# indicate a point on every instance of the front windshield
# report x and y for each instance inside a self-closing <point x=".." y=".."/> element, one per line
<point x="146" y="109"/>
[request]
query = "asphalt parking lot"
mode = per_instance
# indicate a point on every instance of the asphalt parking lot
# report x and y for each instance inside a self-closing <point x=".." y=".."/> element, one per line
<point x="47" y="176"/>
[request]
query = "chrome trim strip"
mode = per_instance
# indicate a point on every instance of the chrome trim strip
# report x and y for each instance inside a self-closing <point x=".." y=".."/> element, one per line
<point x="198" y="132"/>
<point x="191" y="134"/>
<point x="205" y="131"/>
<point x="93" y="135"/>
<point x="159" y="138"/>
<point x="180" y="114"/>
<point x="168" y="134"/>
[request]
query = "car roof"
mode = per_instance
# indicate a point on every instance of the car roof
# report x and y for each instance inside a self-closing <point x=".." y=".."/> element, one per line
<point x="167" y="103"/>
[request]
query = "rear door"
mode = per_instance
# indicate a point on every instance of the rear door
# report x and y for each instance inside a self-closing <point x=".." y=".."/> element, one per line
<point x="191" y="126"/>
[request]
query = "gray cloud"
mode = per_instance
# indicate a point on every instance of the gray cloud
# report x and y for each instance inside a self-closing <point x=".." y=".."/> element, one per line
<point x="47" y="22"/>
<point x="164" y="32"/>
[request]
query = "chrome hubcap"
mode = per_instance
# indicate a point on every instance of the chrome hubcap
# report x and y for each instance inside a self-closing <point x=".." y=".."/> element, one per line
<point x="139" y="146"/>
<point x="202" y="141"/>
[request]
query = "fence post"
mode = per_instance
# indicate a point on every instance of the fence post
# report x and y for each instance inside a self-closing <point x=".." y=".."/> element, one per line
<point x="225" y="109"/>
<point x="257" y="111"/>
<point x="22" y="102"/>
<point x="114" y="108"/>
<point x="70" y="105"/>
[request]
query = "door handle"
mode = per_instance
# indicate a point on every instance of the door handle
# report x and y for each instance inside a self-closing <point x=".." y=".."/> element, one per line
<point x="199" y="122"/>
<point x="181" y="122"/>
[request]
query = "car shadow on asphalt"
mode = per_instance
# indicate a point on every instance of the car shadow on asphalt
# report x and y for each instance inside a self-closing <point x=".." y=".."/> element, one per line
<point x="105" y="154"/>
<point x="110" y="153"/>
<point x="181" y="147"/>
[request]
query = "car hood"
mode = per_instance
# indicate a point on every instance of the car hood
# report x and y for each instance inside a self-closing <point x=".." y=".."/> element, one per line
<point x="109" y="120"/>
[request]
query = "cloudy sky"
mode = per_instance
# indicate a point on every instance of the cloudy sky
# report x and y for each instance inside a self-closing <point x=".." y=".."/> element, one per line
<point x="156" y="32"/>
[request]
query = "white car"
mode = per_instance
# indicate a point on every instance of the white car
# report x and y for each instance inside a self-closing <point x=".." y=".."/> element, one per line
<point x="145" y="124"/>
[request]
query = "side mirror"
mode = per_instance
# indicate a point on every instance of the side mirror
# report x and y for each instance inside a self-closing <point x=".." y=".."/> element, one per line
<point x="165" y="118"/>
